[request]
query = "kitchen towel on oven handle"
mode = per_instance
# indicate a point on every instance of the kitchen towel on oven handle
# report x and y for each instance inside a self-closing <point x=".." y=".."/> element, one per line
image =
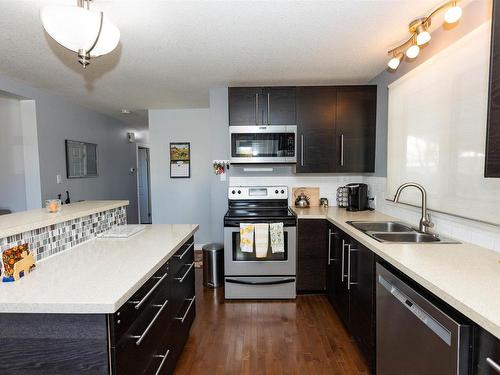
<point x="277" y="238"/>
<point x="261" y="239"/>
<point x="246" y="237"/>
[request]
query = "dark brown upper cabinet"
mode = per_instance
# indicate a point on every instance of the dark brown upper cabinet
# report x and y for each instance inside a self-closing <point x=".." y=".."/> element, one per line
<point x="355" y="128"/>
<point x="262" y="106"/>
<point x="316" y="108"/>
<point x="336" y="129"/>
<point x="492" y="162"/>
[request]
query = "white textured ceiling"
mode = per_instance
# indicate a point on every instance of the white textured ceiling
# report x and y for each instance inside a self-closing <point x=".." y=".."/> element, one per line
<point x="172" y="52"/>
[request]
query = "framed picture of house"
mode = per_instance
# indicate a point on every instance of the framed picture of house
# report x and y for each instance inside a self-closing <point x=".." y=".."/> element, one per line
<point x="180" y="160"/>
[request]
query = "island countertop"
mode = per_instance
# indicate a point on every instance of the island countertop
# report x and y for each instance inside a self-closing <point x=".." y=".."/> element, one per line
<point x="24" y="221"/>
<point x="465" y="276"/>
<point x="97" y="276"/>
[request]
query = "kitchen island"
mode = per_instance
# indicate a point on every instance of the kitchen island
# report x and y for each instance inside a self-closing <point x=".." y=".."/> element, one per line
<point x="107" y="306"/>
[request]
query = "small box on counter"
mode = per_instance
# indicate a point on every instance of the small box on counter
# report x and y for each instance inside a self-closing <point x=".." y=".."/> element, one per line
<point x="17" y="262"/>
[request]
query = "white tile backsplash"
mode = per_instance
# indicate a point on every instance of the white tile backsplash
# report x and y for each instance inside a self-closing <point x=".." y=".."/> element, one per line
<point x="327" y="184"/>
<point x="461" y="229"/>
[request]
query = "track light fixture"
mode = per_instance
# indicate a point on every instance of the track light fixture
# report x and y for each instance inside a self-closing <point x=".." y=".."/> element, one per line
<point x="419" y="30"/>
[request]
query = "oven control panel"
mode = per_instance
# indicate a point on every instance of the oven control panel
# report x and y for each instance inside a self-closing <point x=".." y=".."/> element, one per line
<point x="257" y="192"/>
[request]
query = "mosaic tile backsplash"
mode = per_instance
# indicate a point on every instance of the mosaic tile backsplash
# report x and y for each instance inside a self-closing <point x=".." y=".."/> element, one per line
<point x="50" y="240"/>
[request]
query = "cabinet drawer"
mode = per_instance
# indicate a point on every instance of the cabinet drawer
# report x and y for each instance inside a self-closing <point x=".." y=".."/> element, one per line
<point x="185" y="255"/>
<point x="181" y="325"/>
<point x="136" y="348"/>
<point x="487" y="357"/>
<point x="162" y="361"/>
<point x="182" y="287"/>
<point x="153" y="292"/>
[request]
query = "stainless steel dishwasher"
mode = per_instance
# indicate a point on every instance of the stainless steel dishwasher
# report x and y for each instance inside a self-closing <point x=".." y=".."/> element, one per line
<point x="414" y="336"/>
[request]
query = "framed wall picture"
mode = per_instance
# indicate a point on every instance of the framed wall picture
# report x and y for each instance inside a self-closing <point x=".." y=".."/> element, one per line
<point x="180" y="160"/>
<point x="81" y="159"/>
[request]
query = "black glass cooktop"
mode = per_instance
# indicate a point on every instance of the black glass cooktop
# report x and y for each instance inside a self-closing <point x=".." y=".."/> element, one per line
<point x="258" y="215"/>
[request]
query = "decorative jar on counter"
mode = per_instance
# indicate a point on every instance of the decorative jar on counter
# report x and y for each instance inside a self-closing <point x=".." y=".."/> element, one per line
<point x="53" y="205"/>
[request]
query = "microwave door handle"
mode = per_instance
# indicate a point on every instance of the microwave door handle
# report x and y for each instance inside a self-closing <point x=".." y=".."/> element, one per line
<point x="256" y="109"/>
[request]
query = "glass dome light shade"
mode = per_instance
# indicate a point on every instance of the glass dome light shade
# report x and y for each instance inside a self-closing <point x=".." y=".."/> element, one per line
<point x="453" y="14"/>
<point x="413" y="51"/>
<point x="423" y="37"/>
<point x="394" y="62"/>
<point x="77" y="28"/>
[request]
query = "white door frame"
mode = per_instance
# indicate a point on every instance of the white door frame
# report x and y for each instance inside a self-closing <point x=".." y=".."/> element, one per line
<point x="137" y="146"/>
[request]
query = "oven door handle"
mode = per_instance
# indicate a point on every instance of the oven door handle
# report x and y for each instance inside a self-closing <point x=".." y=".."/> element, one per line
<point x="273" y="282"/>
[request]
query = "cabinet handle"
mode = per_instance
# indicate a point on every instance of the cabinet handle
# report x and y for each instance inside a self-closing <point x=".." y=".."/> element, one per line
<point x="330" y="234"/>
<point x="343" y="261"/>
<point x="495" y="366"/>
<point x="185" y="252"/>
<point x="342" y="150"/>
<point x="187" y="311"/>
<point x="268" y="109"/>
<point x="151" y="324"/>
<point x="138" y="304"/>
<point x="302" y="150"/>
<point x="181" y="279"/>
<point x="257" y="109"/>
<point x="164" y="358"/>
<point x="349" y="283"/>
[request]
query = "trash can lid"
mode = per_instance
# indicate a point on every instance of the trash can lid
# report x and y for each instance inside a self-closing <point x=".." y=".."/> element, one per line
<point x="213" y="247"/>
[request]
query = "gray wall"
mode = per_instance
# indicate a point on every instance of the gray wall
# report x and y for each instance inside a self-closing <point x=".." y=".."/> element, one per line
<point x="12" y="188"/>
<point x="59" y="119"/>
<point x="181" y="200"/>
<point x="475" y="14"/>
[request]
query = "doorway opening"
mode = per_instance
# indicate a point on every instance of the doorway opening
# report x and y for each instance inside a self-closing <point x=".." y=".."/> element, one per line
<point x="143" y="185"/>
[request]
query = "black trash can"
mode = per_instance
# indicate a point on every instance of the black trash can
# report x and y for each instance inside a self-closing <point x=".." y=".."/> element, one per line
<point x="213" y="265"/>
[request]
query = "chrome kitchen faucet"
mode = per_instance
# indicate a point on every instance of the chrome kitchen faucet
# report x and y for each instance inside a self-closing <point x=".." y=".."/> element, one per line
<point x="425" y="220"/>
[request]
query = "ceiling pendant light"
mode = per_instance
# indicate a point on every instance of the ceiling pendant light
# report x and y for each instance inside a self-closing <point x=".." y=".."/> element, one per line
<point x="77" y="28"/>
<point x="453" y="14"/>
<point x="420" y="35"/>
<point x="395" y="61"/>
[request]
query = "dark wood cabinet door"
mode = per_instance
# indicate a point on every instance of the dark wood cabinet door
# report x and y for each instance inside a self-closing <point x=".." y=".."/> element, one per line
<point x="356" y="128"/>
<point x="492" y="163"/>
<point x="280" y="106"/>
<point x="486" y="353"/>
<point x="316" y="108"/>
<point x="340" y="296"/>
<point x="312" y="255"/>
<point x="245" y="105"/>
<point x="362" y="300"/>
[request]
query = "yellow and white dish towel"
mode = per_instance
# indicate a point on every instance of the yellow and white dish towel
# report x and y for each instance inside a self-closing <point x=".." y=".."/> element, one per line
<point x="277" y="237"/>
<point x="261" y="239"/>
<point x="246" y="238"/>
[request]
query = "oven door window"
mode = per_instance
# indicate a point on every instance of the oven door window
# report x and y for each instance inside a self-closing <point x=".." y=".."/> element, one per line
<point x="241" y="256"/>
<point x="263" y="145"/>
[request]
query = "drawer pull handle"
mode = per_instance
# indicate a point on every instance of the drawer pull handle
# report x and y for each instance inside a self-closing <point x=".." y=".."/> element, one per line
<point x="187" y="311"/>
<point x="185" y="252"/>
<point x="151" y="324"/>
<point x="181" y="279"/>
<point x="138" y="304"/>
<point x="495" y="366"/>
<point x="164" y="358"/>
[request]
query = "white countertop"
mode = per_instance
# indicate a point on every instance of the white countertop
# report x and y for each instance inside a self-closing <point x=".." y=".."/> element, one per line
<point x="20" y="222"/>
<point x="97" y="276"/>
<point x="465" y="276"/>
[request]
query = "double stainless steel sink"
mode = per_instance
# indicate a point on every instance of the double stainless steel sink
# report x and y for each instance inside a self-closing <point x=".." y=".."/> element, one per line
<point x="397" y="232"/>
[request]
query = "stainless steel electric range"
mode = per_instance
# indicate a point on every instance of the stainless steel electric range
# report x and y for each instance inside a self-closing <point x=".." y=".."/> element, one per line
<point x="247" y="276"/>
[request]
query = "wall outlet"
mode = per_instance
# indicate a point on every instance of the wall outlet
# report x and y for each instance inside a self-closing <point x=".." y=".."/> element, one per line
<point x="374" y="201"/>
<point x="58" y="179"/>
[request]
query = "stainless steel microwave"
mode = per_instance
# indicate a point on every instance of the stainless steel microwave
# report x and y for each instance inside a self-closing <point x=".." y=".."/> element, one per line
<point x="263" y="144"/>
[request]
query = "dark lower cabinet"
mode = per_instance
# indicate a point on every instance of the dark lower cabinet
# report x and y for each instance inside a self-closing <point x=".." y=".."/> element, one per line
<point x="486" y="353"/>
<point x="351" y="289"/>
<point x="145" y="336"/>
<point x="311" y="255"/>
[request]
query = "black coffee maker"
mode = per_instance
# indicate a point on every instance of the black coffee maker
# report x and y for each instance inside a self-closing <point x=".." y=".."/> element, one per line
<point x="357" y="197"/>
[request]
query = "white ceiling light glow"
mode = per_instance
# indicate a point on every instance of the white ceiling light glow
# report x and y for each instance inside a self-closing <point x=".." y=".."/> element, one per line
<point x="419" y="33"/>
<point x="80" y="30"/>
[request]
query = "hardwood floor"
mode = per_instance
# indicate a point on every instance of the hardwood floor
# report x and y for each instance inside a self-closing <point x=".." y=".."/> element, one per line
<point x="279" y="337"/>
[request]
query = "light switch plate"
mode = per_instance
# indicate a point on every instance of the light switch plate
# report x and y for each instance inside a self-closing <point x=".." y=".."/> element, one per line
<point x="58" y="178"/>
